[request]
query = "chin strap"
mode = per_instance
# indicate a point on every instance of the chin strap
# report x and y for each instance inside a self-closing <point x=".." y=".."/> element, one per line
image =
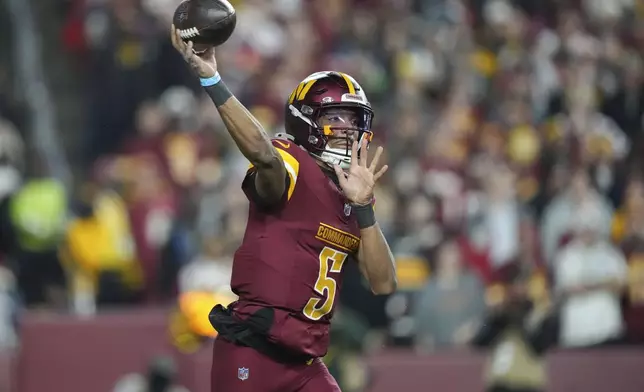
<point x="335" y="158"/>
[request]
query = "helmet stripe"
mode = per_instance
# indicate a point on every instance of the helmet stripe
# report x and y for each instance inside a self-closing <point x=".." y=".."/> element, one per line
<point x="291" y="98"/>
<point x="299" y="89"/>
<point x="305" y="90"/>
<point x="352" y="89"/>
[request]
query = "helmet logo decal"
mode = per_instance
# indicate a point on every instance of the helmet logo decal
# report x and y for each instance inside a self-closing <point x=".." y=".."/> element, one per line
<point x="327" y="99"/>
<point x="301" y="91"/>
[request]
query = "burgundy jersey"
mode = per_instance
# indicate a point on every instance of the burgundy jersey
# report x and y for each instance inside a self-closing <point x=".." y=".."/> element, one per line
<point x="291" y="258"/>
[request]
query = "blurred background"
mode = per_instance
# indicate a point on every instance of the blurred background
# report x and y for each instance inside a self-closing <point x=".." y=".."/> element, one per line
<point x="515" y="197"/>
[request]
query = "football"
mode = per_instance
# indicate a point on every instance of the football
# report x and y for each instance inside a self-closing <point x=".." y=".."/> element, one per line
<point x="205" y="22"/>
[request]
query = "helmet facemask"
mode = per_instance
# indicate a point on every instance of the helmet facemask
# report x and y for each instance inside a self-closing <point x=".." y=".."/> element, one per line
<point x="338" y="127"/>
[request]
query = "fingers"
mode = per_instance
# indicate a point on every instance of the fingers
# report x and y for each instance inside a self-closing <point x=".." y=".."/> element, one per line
<point x="191" y="57"/>
<point x="342" y="179"/>
<point x="380" y="172"/>
<point x="173" y="36"/>
<point x="187" y="50"/>
<point x="363" y="152"/>
<point x="177" y="41"/>
<point x="376" y="158"/>
<point x="181" y="46"/>
<point x="354" y="153"/>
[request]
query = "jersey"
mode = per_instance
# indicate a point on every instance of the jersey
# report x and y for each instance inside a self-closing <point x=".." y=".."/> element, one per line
<point x="292" y="256"/>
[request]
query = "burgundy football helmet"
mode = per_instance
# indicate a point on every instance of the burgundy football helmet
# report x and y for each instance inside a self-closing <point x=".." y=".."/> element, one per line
<point x="314" y="96"/>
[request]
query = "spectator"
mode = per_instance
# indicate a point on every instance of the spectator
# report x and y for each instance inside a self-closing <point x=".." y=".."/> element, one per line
<point x="561" y="212"/>
<point x="123" y="43"/>
<point x="34" y="227"/>
<point x="590" y="274"/>
<point x="495" y="227"/>
<point x="626" y="105"/>
<point x="516" y="333"/>
<point x="100" y="249"/>
<point x="628" y="231"/>
<point x="627" y="221"/>
<point x="203" y="283"/>
<point x="450" y="305"/>
<point x="210" y="271"/>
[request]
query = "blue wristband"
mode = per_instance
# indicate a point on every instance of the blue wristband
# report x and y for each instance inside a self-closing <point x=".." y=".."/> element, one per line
<point x="211" y="81"/>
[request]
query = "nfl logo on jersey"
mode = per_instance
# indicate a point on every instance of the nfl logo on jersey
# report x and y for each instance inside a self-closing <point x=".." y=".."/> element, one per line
<point x="242" y="373"/>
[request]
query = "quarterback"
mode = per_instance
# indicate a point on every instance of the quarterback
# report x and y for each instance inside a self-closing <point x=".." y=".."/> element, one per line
<point x="311" y="212"/>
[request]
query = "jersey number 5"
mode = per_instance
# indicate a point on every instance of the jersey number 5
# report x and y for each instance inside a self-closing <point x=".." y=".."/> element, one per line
<point x="325" y="285"/>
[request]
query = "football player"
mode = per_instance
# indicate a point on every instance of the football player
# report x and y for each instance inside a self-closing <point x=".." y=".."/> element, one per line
<point x="311" y="212"/>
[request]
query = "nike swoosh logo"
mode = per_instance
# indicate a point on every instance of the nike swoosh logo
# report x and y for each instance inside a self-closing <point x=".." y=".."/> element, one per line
<point x="282" y="144"/>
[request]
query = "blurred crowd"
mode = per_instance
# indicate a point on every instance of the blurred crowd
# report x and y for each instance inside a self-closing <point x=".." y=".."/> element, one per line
<point x="513" y="129"/>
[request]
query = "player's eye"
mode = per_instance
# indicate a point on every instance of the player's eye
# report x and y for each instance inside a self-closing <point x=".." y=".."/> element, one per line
<point x="342" y="120"/>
